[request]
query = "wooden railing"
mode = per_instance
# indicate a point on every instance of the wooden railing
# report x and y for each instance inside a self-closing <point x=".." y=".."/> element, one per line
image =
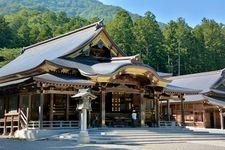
<point x="16" y="120"/>
<point x="54" y="124"/>
<point x="10" y="123"/>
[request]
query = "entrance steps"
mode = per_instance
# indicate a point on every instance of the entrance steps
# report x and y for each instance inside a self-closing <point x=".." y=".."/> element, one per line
<point x="142" y="135"/>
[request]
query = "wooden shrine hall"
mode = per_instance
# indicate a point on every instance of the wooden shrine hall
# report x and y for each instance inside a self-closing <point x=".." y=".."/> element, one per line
<point x="36" y="87"/>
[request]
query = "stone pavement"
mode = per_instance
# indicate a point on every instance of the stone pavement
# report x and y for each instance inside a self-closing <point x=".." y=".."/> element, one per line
<point x="127" y="139"/>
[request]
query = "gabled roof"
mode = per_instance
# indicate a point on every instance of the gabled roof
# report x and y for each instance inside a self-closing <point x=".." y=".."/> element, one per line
<point x="51" y="49"/>
<point x="200" y="81"/>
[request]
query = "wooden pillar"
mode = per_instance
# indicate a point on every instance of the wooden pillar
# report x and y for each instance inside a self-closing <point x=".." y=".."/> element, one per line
<point x="103" y="109"/>
<point x="5" y="120"/>
<point x="41" y="110"/>
<point x="204" y="117"/>
<point x="157" y="107"/>
<point x="67" y="107"/>
<point x="29" y="107"/>
<point x="182" y="110"/>
<point x="158" y="103"/>
<point x="143" y="107"/>
<point x="168" y="110"/>
<point x="155" y="110"/>
<point x="51" y="107"/>
<point x="20" y="101"/>
<point x="215" y="118"/>
<point x="194" y="118"/>
<point x="19" y="111"/>
<point x="221" y="118"/>
<point x="11" y="127"/>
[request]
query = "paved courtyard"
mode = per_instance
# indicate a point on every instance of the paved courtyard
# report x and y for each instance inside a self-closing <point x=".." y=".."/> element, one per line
<point x="7" y="144"/>
<point x="125" y="139"/>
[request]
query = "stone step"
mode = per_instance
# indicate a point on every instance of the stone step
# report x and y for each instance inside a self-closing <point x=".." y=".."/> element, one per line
<point x="155" y="131"/>
<point x="140" y="130"/>
<point x="137" y="136"/>
<point x="122" y="140"/>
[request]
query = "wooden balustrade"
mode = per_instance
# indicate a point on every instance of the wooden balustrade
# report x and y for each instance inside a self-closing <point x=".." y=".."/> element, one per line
<point x="167" y="123"/>
<point x="10" y="123"/>
<point x="54" y="124"/>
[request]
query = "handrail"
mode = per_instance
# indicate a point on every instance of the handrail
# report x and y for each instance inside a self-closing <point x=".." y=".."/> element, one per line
<point x="23" y="117"/>
<point x="54" y="124"/>
<point x="167" y="123"/>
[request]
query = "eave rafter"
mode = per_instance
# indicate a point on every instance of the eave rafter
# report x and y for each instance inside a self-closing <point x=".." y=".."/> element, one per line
<point x="134" y="71"/>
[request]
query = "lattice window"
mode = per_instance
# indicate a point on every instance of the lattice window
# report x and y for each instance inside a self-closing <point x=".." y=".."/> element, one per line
<point x="115" y="104"/>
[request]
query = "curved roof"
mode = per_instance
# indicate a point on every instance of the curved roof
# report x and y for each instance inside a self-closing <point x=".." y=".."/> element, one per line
<point x="177" y="89"/>
<point x="51" y="49"/>
<point x="92" y="67"/>
<point x="62" y="79"/>
<point x="218" y="101"/>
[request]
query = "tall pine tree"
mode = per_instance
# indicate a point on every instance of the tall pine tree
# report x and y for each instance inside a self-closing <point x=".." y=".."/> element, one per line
<point x="149" y="41"/>
<point x="120" y="29"/>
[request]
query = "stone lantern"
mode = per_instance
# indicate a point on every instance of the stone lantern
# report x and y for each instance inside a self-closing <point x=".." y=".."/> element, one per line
<point x="84" y="104"/>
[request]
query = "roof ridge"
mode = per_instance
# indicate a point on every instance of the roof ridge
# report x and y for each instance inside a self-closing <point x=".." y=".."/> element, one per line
<point x="197" y="74"/>
<point x="132" y="58"/>
<point x="98" y="25"/>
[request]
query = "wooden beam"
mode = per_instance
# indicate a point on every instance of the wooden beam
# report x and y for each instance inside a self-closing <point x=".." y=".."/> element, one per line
<point x="59" y="92"/>
<point x="125" y="90"/>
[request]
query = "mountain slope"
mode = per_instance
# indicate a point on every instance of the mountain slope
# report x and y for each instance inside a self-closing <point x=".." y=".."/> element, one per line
<point x="84" y="8"/>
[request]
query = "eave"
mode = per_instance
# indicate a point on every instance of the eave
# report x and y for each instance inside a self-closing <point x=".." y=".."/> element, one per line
<point x="132" y="70"/>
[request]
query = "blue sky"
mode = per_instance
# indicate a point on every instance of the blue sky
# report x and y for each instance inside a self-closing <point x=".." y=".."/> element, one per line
<point x="165" y="10"/>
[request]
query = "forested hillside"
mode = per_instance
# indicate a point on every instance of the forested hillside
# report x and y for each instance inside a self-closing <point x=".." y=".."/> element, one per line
<point x="87" y="9"/>
<point x="201" y="48"/>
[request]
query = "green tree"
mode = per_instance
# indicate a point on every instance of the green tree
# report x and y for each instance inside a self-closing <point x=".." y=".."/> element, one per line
<point x="34" y="32"/>
<point x="6" y="55"/>
<point x="5" y="33"/>
<point x="45" y="32"/>
<point x="211" y="35"/>
<point x="62" y="18"/>
<point x="75" y="23"/>
<point x="120" y="29"/>
<point x="23" y="34"/>
<point x="149" y="41"/>
<point x="180" y="45"/>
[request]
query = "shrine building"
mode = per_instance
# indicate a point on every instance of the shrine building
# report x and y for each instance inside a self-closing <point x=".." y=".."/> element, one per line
<point x="36" y="87"/>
